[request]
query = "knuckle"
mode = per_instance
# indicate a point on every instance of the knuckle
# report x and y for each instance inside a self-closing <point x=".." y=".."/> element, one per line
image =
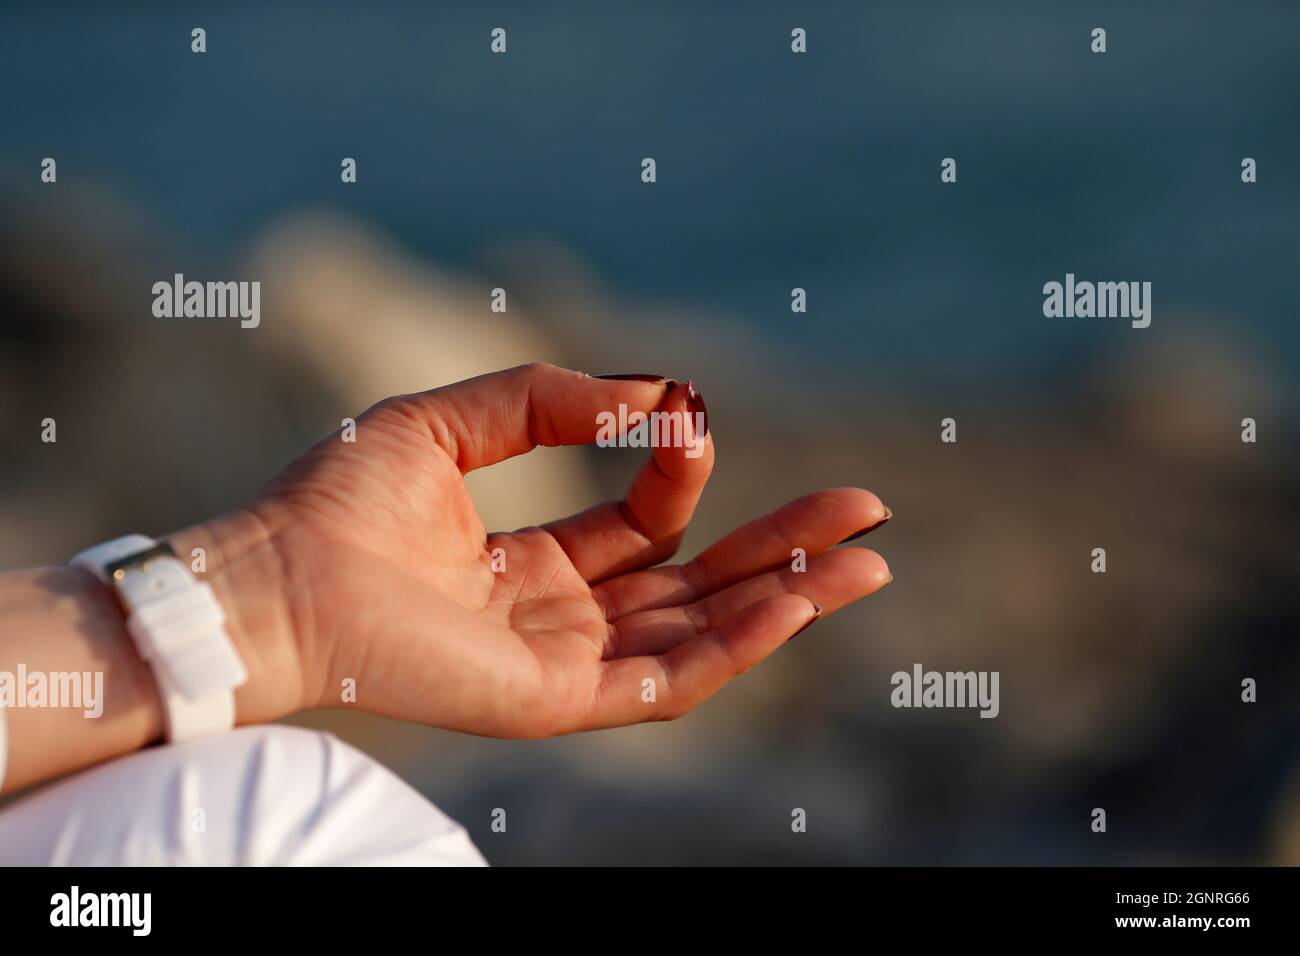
<point x="539" y="369"/>
<point x="394" y="407"/>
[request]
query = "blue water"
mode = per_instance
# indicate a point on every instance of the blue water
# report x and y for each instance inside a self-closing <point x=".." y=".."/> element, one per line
<point x="775" y="170"/>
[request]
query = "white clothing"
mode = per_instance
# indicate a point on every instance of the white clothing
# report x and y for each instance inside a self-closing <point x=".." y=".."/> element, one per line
<point x="265" y="795"/>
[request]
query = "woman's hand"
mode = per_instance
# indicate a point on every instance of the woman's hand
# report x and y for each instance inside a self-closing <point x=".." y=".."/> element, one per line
<point x="366" y="562"/>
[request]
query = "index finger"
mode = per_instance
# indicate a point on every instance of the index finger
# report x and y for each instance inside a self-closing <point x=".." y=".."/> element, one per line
<point x="488" y="419"/>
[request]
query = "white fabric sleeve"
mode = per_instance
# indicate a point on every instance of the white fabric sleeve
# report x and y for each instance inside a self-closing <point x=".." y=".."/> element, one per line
<point x="266" y="795"/>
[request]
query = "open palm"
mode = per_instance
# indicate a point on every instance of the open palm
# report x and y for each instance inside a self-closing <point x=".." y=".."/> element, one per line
<point x="394" y="583"/>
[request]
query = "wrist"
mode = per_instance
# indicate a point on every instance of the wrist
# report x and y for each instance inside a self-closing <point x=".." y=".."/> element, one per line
<point x="236" y="556"/>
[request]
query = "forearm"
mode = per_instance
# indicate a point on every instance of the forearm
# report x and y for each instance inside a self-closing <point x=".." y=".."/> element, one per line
<point x="62" y="621"/>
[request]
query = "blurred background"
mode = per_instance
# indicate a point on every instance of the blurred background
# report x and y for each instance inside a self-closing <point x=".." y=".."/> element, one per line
<point x="775" y="170"/>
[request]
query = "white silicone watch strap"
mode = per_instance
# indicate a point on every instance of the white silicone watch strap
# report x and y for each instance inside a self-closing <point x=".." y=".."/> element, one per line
<point x="178" y="628"/>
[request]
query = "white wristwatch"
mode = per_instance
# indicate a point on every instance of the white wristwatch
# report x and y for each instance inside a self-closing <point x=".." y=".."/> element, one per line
<point x="178" y="628"/>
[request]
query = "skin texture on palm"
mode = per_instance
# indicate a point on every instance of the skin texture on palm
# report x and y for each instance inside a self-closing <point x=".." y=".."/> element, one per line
<point x="387" y="571"/>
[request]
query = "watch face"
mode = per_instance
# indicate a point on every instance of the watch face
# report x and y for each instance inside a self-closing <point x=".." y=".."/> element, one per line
<point x="118" y="568"/>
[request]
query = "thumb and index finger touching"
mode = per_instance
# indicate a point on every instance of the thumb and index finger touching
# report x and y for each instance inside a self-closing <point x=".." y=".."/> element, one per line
<point x="488" y="419"/>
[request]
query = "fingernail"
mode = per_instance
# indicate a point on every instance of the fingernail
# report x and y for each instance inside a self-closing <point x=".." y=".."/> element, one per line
<point x="815" y="618"/>
<point x="695" y="404"/>
<point x="632" y="377"/>
<point x="853" y="537"/>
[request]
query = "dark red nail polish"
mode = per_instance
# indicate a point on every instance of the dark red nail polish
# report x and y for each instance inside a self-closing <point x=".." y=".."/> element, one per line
<point x="854" y="537"/>
<point x="816" y="618"/>
<point x="695" y="404"/>
<point x="632" y="377"/>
